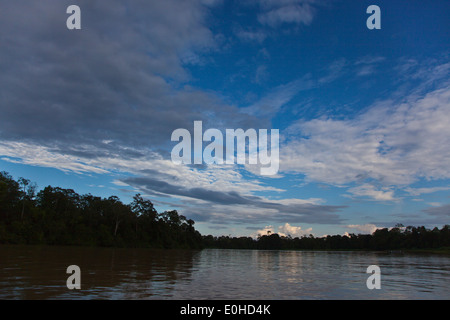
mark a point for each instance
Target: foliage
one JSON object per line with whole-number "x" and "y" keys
{"x": 398, "y": 238}
{"x": 57, "y": 216}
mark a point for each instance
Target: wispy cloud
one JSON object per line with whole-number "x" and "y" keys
{"x": 250, "y": 35}
{"x": 393, "y": 142}
{"x": 278, "y": 97}
{"x": 218, "y": 194}
{"x": 19, "y": 152}
{"x": 420, "y": 191}
{"x": 370, "y": 191}
{"x": 335, "y": 70}
{"x": 440, "y": 211}
{"x": 240, "y": 207}
{"x": 368, "y": 65}
{"x": 276, "y": 13}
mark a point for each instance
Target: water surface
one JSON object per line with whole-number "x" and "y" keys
{"x": 31, "y": 272}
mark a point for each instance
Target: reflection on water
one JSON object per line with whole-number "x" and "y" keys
{"x": 28, "y": 272}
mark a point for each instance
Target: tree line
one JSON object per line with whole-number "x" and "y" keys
{"x": 56, "y": 216}
{"x": 397, "y": 238}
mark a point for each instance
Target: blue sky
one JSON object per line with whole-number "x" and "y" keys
{"x": 363, "y": 115}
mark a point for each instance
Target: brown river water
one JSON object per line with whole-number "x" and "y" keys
{"x": 34, "y": 272}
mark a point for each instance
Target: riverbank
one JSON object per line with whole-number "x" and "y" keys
{"x": 444, "y": 250}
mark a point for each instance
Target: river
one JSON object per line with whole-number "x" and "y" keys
{"x": 35, "y": 272}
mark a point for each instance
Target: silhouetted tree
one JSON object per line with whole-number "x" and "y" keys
{"x": 61, "y": 216}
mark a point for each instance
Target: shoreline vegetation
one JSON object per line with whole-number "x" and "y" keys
{"x": 56, "y": 216}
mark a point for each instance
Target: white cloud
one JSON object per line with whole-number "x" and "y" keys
{"x": 368, "y": 65}
{"x": 34, "y": 155}
{"x": 366, "y": 70}
{"x": 392, "y": 143}
{"x": 261, "y": 74}
{"x": 204, "y": 193}
{"x": 288, "y": 230}
{"x": 419, "y": 191}
{"x": 278, "y": 97}
{"x": 284, "y": 231}
{"x": 120, "y": 183}
{"x": 249, "y": 35}
{"x": 363, "y": 229}
{"x": 435, "y": 204}
{"x": 370, "y": 60}
{"x": 334, "y": 71}
{"x": 267, "y": 230}
{"x": 292, "y": 12}
{"x": 368, "y": 190}
{"x": 294, "y": 201}
{"x": 223, "y": 178}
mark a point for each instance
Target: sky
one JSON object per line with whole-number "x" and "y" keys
{"x": 363, "y": 114}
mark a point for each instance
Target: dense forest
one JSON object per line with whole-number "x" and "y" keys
{"x": 56, "y": 216}
{"x": 397, "y": 238}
